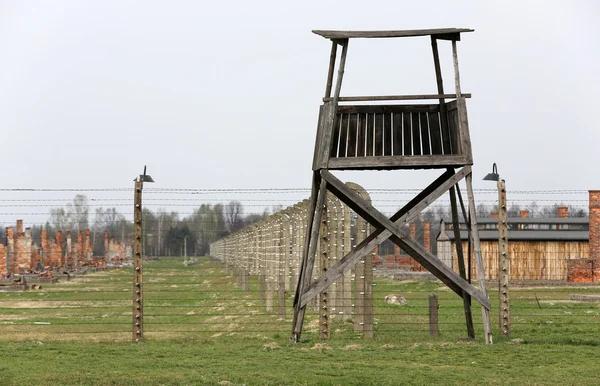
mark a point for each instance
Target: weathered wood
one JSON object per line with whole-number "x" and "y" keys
{"x": 463, "y": 129}
{"x": 387, "y": 109}
{"x": 318, "y": 158}
{"x": 352, "y": 126}
{"x": 387, "y": 134}
{"x": 395, "y": 97}
{"x": 399, "y": 162}
{"x": 283, "y": 257}
{"x": 324, "y": 138}
{"x": 432, "y": 192}
{"x": 452, "y": 132}
{"x": 390, "y": 34}
{"x": 425, "y": 143}
{"x": 407, "y": 135}
{"x": 335, "y": 138}
{"x": 309, "y": 258}
{"x": 434, "y": 329}
{"x": 397, "y": 132}
{"x": 503, "y": 262}
{"x": 362, "y": 135}
{"x": 463, "y": 123}
{"x": 416, "y": 135}
{"x": 461, "y": 263}
{"x": 436, "y": 134}
{"x": 324, "y": 263}
{"x": 487, "y": 325}
{"x": 316, "y": 183}
{"x": 332, "y": 57}
{"x": 378, "y": 135}
{"x": 343, "y": 145}
{"x": 401, "y": 237}
{"x": 440, "y": 87}
{"x": 370, "y": 120}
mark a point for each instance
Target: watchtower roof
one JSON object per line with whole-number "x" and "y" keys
{"x": 446, "y": 33}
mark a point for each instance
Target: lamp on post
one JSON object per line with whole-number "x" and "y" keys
{"x": 138, "y": 253}
{"x": 503, "y": 261}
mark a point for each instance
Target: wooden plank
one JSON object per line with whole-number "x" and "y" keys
{"x": 362, "y": 135}
{"x": 464, "y": 141}
{"x": 318, "y": 141}
{"x": 415, "y": 206}
{"x": 324, "y": 136}
{"x": 463, "y": 130}
{"x": 331, "y": 69}
{"x": 402, "y": 238}
{"x": 397, "y": 133}
{"x": 331, "y": 115}
{"x": 378, "y": 135}
{"x": 324, "y": 264}
{"x": 461, "y": 262}
{"x": 331, "y": 34}
{"x": 436, "y": 133}
{"x": 452, "y": 105}
{"x": 440, "y": 87}
{"x": 316, "y": 183}
{"x": 485, "y": 311}
{"x": 453, "y": 131}
{"x": 385, "y": 109}
{"x": 387, "y": 134}
{"x": 398, "y": 162}
{"x": 367, "y": 98}
{"x": 352, "y": 127}
{"x": 308, "y": 259}
{"x": 407, "y": 134}
{"x": 370, "y": 120}
{"x": 416, "y": 134}
{"x": 425, "y": 143}
{"x": 335, "y": 139}
{"x": 342, "y": 147}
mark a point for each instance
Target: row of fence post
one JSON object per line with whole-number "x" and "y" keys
{"x": 272, "y": 251}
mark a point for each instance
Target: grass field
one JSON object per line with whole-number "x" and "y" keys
{"x": 202, "y": 329}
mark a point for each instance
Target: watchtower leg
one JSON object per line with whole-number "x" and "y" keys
{"x": 461, "y": 262}
{"x": 487, "y": 325}
{"x": 317, "y": 199}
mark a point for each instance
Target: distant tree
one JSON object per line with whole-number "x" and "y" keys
{"x": 234, "y": 213}
{"x": 78, "y": 212}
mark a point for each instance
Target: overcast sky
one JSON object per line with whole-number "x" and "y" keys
{"x": 225, "y": 94}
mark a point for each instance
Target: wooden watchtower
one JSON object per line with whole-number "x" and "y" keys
{"x": 355, "y": 135}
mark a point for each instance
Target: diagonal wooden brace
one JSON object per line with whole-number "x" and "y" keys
{"x": 435, "y": 190}
{"x": 402, "y": 239}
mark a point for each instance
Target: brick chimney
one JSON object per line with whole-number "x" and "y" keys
{"x": 524, "y": 213}
{"x": 427, "y": 235}
{"x": 594, "y": 224}
{"x": 412, "y": 230}
{"x": 19, "y": 227}
{"x": 563, "y": 212}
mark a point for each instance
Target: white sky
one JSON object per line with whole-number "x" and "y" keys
{"x": 225, "y": 94}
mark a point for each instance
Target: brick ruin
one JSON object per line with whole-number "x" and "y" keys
{"x": 400, "y": 259}
{"x": 20, "y": 254}
{"x": 588, "y": 270}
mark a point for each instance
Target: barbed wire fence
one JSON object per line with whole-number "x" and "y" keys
{"x": 248, "y": 286}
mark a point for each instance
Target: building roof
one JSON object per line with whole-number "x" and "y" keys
{"x": 537, "y": 220}
{"x": 530, "y": 235}
{"x": 515, "y": 233}
{"x": 390, "y": 34}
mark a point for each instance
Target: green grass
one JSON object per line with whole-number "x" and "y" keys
{"x": 250, "y": 362}
{"x": 201, "y": 328}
